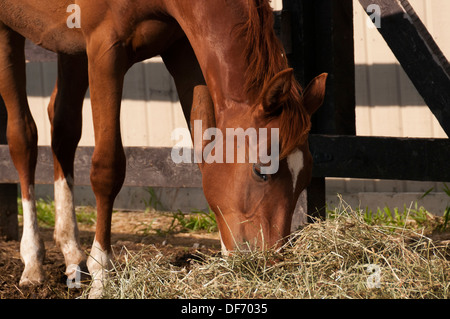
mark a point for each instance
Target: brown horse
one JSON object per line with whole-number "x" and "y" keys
{"x": 230, "y": 46}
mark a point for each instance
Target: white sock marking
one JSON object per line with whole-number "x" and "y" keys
{"x": 295, "y": 164}
{"x": 66, "y": 229}
{"x": 31, "y": 246}
{"x": 98, "y": 263}
{"x": 30, "y": 237}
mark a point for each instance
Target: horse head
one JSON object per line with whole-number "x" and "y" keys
{"x": 254, "y": 196}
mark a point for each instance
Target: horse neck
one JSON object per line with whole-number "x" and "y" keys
{"x": 213, "y": 35}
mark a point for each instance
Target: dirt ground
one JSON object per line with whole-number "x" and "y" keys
{"x": 128, "y": 230}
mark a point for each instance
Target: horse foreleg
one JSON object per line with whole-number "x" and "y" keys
{"x": 22, "y": 140}
{"x": 65, "y": 116}
{"x": 107, "y": 67}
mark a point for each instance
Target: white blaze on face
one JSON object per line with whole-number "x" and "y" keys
{"x": 295, "y": 164}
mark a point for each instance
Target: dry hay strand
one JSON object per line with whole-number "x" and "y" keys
{"x": 326, "y": 259}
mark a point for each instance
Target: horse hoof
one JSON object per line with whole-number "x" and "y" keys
{"x": 96, "y": 292}
{"x": 32, "y": 276}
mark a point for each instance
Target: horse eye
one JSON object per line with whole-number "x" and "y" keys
{"x": 257, "y": 172}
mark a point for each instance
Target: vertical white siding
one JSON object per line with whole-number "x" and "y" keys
{"x": 387, "y": 102}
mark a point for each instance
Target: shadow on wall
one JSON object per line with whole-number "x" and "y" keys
{"x": 385, "y": 85}
{"x": 148, "y": 81}
{"x": 377, "y": 84}
{"x": 145, "y": 81}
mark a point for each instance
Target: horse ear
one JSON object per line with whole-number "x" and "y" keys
{"x": 277, "y": 91}
{"x": 314, "y": 93}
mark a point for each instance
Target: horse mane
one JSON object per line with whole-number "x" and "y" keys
{"x": 266, "y": 57}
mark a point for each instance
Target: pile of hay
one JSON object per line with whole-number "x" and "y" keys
{"x": 343, "y": 257}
